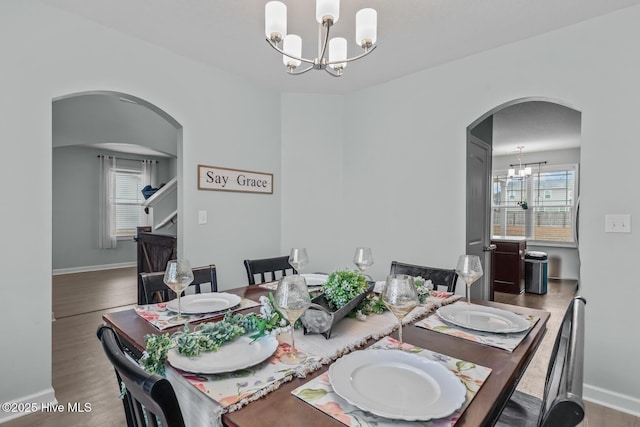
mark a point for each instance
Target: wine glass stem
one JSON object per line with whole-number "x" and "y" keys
{"x": 400, "y": 335}
{"x": 468, "y": 293}
{"x": 179, "y": 306}
{"x": 293, "y": 341}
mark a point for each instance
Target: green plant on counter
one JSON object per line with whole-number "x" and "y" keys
{"x": 342, "y": 286}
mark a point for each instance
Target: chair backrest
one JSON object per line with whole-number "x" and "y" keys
{"x": 267, "y": 268}
{"x": 149, "y": 399}
{"x": 156, "y": 291}
{"x": 438, "y": 276}
{"x": 562, "y": 403}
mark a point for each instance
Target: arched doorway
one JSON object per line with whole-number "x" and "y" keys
{"x": 483, "y": 138}
{"x": 102, "y": 122}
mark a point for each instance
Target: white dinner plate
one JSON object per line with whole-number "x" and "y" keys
{"x": 239, "y": 354}
{"x": 208, "y": 302}
{"x": 483, "y": 318}
{"x": 314, "y": 280}
{"x": 396, "y": 384}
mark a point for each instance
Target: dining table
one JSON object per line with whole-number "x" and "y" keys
{"x": 280, "y": 407}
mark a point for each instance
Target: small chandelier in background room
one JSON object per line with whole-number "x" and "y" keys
{"x": 522, "y": 172}
{"x": 327, "y": 14}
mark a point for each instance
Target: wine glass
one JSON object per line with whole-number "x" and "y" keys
{"x": 178, "y": 276}
{"x": 298, "y": 258}
{"x": 400, "y": 296}
{"x": 292, "y": 299}
{"x": 470, "y": 270}
{"x": 363, "y": 259}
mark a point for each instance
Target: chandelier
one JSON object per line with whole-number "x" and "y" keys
{"x": 522, "y": 172}
{"x": 327, "y": 13}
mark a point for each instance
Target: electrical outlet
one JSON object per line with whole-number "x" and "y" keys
{"x": 617, "y": 223}
{"x": 202, "y": 217}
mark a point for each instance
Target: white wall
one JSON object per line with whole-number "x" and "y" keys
{"x": 313, "y": 207}
{"x": 47, "y": 54}
{"x": 404, "y": 156}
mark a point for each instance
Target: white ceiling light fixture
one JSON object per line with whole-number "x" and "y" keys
{"x": 522, "y": 172}
{"x": 327, "y": 14}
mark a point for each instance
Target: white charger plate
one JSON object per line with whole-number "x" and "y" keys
{"x": 396, "y": 384}
{"x": 315, "y": 279}
{"x": 483, "y": 318}
{"x": 239, "y": 354}
{"x": 208, "y": 302}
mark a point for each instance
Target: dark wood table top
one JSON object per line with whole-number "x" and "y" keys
{"x": 281, "y": 408}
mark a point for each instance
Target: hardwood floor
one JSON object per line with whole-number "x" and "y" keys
{"x": 81, "y": 372}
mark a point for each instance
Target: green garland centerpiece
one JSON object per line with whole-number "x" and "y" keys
{"x": 211, "y": 336}
{"x": 344, "y": 285}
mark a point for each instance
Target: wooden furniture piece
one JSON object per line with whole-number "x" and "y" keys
{"x": 149, "y": 399}
{"x": 281, "y": 408}
{"x": 267, "y": 268}
{"x": 562, "y": 403}
{"x": 156, "y": 291}
{"x": 438, "y": 276}
{"x": 508, "y": 264}
{"x": 154, "y": 251}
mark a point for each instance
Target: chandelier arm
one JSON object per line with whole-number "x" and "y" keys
{"x": 362, "y": 55}
{"x": 331, "y": 73}
{"x": 301, "y": 72}
{"x": 322, "y": 51}
{"x": 308, "y": 61}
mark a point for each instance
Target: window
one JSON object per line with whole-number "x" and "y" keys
{"x": 550, "y": 196}
{"x": 127, "y": 197}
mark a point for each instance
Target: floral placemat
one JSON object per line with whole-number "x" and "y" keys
{"x": 233, "y": 390}
{"x": 162, "y": 318}
{"x": 319, "y": 393}
{"x": 506, "y": 342}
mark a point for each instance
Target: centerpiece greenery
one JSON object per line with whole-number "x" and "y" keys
{"x": 342, "y": 286}
{"x": 211, "y": 336}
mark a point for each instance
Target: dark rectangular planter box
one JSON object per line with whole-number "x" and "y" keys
{"x": 320, "y": 318}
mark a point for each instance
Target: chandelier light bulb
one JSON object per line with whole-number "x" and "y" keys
{"x": 275, "y": 21}
{"x": 366, "y": 27}
{"x": 327, "y": 10}
{"x": 293, "y": 46}
{"x": 338, "y": 52}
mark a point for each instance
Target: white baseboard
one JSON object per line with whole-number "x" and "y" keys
{"x": 611, "y": 399}
{"x": 42, "y": 397}
{"x": 92, "y": 268}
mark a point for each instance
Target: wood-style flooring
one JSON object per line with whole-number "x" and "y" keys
{"x": 81, "y": 372}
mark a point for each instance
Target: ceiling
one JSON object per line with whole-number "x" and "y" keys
{"x": 412, "y": 35}
{"x": 536, "y": 126}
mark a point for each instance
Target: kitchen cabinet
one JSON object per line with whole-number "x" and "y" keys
{"x": 508, "y": 264}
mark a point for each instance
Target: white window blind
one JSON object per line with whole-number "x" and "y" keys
{"x": 550, "y": 195}
{"x": 127, "y": 198}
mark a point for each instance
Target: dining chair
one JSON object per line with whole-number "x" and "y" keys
{"x": 562, "y": 404}
{"x": 155, "y": 289}
{"x": 149, "y": 399}
{"x": 267, "y": 268}
{"x": 438, "y": 276}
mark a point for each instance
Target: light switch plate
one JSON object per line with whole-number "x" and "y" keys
{"x": 617, "y": 223}
{"x": 202, "y": 217}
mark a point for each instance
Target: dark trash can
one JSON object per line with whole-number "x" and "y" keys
{"x": 535, "y": 272}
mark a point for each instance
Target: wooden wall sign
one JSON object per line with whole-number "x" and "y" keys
{"x": 223, "y": 179}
